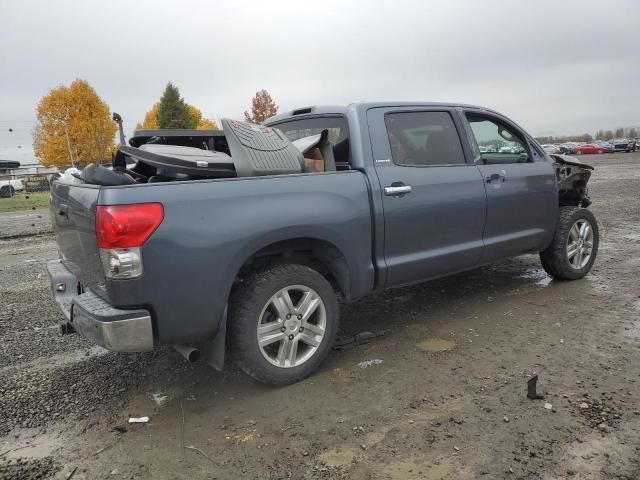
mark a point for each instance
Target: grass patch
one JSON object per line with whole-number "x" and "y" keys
{"x": 24, "y": 202}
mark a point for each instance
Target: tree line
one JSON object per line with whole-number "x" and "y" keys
{"x": 74, "y": 125}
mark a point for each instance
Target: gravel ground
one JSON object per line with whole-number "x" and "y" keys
{"x": 25, "y": 223}
{"x": 447, "y": 401}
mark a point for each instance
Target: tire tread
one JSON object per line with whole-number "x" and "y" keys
{"x": 243, "y": 311}
{"x": 553, "y": 258}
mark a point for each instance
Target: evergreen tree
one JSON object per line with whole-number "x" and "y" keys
{"x": 151, "y": 119}
{"x": 173, "y": 111}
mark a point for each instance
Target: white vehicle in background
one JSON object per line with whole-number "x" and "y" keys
{"x": 510, "y": 148}
{"x": 9, "y": 186}
{"x": 551, "y": 148}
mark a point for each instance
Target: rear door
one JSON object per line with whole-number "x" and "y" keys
{"x": 522, "y": 199}
{"x": 433, "y": 200}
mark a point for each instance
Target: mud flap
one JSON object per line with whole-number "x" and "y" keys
{"x": 214, "y": 350}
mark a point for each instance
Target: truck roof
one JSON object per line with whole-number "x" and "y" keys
{"x": 341, "y": 109}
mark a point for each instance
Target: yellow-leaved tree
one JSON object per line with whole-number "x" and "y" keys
{"x": 74, "y": 127}
{"x": 151, "y": 119}
{"x": 262, "y": 107}
{"x": 201, "y": 122}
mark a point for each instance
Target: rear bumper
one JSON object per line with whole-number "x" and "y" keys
{"x": 95, "y": 319}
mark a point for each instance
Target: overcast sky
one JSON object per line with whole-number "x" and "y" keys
{"x": 562, "y": 67}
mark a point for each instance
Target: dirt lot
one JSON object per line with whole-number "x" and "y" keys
{"x": 447, "y": 401}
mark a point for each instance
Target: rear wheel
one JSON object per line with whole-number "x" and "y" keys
{"x": 7, "y": 191}
{"x": 575, "y": 245}
{"x": 283, "y": 321}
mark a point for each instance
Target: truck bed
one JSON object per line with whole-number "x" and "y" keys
{"x": 210, "y": 228}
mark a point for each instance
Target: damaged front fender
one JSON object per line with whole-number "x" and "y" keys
{"x": 572, "y": 176}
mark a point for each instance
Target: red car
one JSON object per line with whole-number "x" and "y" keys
{"x": 590, "y": 148}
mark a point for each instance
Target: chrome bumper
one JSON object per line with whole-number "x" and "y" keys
{"x": 95, "y": 319}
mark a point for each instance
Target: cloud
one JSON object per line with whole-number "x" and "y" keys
{"x": 563, "y": 67}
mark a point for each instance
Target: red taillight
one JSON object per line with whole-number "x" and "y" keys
{"x": 125, "y": 226}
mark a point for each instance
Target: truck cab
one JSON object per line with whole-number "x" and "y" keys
{"x": 431, "y": 176}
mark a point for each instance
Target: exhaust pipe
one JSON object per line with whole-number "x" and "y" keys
{"x": 189, "y": 352}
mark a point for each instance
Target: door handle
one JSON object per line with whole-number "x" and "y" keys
{"x": 395, "y": 190}
{"x": 496, "y": 177}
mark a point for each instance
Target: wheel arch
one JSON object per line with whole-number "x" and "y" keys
{"x": 318, "y": 253}
{"x": 315, "y": 251}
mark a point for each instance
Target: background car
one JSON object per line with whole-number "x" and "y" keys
{"x": 590, "y": 148}
{"x": 605, "y": 143}
{"x": 9, "y": 186}
{"x": 551, "y": 148}
{"x": 621, "y": 145}
{"x": 568, "y": 147}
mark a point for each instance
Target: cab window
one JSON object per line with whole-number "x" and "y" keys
{"x": 423, "y": 139}
{"x": 497, "y": 142}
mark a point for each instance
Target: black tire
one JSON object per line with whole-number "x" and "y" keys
{"x": 7, "y": 191}
{"x": 555, "y": 259}
{"x": 253, "y": 295}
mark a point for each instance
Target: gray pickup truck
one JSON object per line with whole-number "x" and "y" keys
{"x": 245, "y": 240}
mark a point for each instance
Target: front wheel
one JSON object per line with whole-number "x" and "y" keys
{"x": 574, "y": 246}
{"x": 283, "y": 321}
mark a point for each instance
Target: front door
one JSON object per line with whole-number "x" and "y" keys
{"x": 522, "y": 200}
{"x": 434, "y": 202}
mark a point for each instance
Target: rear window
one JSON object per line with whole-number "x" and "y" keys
{"x": 305, "y": 127}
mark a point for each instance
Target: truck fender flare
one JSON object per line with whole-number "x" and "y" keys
{"x": 327, "y": 250}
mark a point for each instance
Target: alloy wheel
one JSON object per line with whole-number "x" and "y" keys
{"x": 580, "y": 244}
{"x": 291, "y": 326}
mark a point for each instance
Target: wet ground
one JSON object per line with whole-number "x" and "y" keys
{"x": 447, "y": 401}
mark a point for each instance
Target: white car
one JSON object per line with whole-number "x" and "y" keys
{"x": 551, "y": 148}
{"x": 9, "y": 186}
